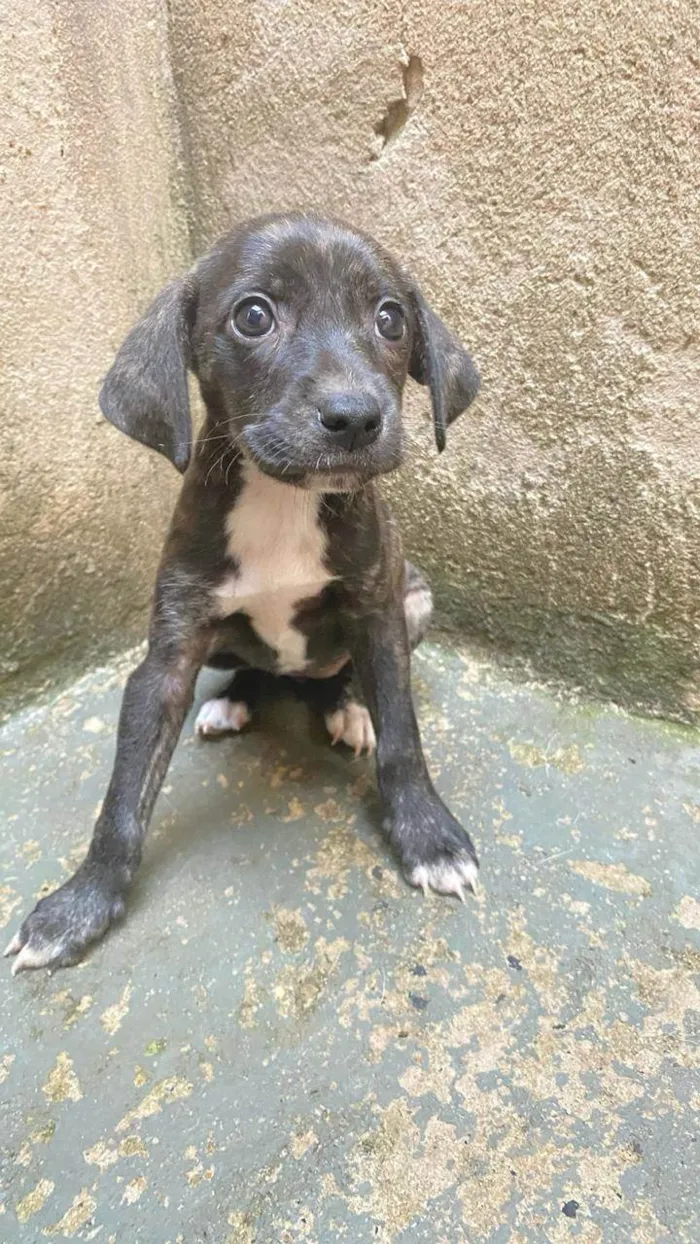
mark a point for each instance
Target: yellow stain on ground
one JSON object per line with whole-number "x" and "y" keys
{"x": 62, "y": 1084}
{"x": 33, "y": 1201}
{"x": 687, "y": 912}
{"x": 613, "y": 876}
{"x": 80, "y": 1211}
{"x": 111, "y": 1019}
{"x": 173, "y": 1088}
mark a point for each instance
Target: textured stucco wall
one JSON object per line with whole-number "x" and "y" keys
{"x": 535, "y": 164}
{"x": 91, "y": 225}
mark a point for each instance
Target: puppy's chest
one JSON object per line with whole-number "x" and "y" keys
{"x": 278, "y": 545}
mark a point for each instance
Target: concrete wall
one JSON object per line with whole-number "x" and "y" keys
{"x": 92, "y": 224}
{"x": 535, "y": 164}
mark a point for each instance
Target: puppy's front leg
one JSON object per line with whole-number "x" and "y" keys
{"x": 156, "y": 699}
{"x": 433, "y": 848}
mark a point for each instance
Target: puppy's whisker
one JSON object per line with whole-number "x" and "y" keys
{"x": 213, "y": 467}
{"x": 204, "y": 440}
{"x": 234, "y": 458}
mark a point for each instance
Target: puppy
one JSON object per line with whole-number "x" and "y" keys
{"x": 281, "y": 558}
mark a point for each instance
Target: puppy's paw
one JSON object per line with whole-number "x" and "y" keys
{"x": 446, "y": 875}
{"x": 221, "y": 716}
{"x": 62, "y": 925}
{"x": 352, "y": 724}
{"x": 436, "y": 852}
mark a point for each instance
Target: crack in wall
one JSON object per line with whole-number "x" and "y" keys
{"x": 398, "y": 111}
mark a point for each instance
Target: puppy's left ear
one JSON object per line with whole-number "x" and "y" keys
{"x": 440, "y": 361}
{"x": 145, "y": 391}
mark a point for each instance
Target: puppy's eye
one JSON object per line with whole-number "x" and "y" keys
{"x": 253, "y": 317}
{"x": 390, "y": 321}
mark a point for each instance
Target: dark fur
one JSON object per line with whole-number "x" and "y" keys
{"x": 262, "y": 400}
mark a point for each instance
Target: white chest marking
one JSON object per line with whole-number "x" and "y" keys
{"x": 275, "y": 537}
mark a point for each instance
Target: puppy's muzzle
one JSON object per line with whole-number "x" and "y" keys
{"x": 350, "y": 420}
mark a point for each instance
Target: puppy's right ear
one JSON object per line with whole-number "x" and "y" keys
{"x": 145, "y": 391}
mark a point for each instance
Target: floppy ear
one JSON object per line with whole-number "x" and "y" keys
{"x": 440, "y": 361}
{"x": 145, "y": 391}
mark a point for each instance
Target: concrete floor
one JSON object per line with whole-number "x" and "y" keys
{"x": 285, "y": 1043}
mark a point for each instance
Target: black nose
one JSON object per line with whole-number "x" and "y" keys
{"x": 354, "y": 419}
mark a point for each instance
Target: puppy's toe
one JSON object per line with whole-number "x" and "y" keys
{"x": 352, "y": 724}
{"x": 29, "y": 957}
{"x": 222, "y": 716}
{"x": 446, "y": 875}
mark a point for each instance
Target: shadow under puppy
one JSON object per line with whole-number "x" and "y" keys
{"x": 281, "y": 557}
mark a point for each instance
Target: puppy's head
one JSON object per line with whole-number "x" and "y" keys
{"x": 301, "y": 332}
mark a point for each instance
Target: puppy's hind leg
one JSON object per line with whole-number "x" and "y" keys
{"x": 232, "y": 708}
{"x": 345, "y": 716}
{"x": 338, "y": 698}
{"x": 417, "y": 604}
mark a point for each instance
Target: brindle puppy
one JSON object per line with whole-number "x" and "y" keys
{"x": 281, "y": 556}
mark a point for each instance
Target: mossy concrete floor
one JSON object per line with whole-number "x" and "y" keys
{"x": 285, "y": 1043}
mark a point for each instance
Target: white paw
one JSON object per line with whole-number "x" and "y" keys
{"x": 221, "y": 716}
{"x": 352, "y": 725}
{"x": 446, "y": 876}
{"x": 29, "y": 956}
